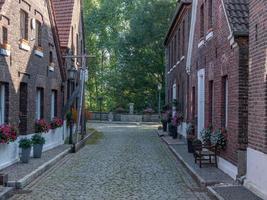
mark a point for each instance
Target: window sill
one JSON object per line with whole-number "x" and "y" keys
{"x": 24, "y": 45}
{"x": 201, "y": 43}
{"x": 38, "y": 51}
{"x": 182, "y": 58}
{"x": 209, "y": 35}
{"x": 5, "y": 49}
{"x": 51, "y": 67}
{"x": 5, "y": 52}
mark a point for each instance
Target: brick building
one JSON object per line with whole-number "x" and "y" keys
{"x": 218, "y": 68}
{"x": 31, "y": 69}
{"x": 176, "y": 44}
{"x": 256, "y": 177}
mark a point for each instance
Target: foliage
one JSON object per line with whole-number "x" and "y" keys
{"x": 56, "y": 123}
{"x": 218, "y": 137}
{"x": 127, "y": 39}
{"x": 25, "y": 143}
{"x": 41, "y": 126}
{"x": 38, "y": 139}
{"x": 206, "y": 135}
{"x": 7, "y": 134}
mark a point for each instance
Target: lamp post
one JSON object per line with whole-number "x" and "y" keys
{"x": 159, "y": 89}
{"x": 71, "y": 77}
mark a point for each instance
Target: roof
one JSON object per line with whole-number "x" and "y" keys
{"x": 180, "y": 4}
{"x": 238, "y": 14}
{"x": 63, "y": 11}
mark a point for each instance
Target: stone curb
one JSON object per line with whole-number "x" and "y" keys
{"x": 213, "y": 193}
{"x": 37, "y": 172}
{"x": 127, "y": 123}
{"x": 6, "y": 193}
{"x": 82, "y": 143}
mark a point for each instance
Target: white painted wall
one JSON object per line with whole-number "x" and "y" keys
{"x": 256, "y": 178}
{"x": 201, "y": 102}
{"x": 227, "y": 167}
{"x": 9, "y": 153}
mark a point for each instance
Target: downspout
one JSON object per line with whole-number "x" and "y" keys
{"x": 191, "y": 36}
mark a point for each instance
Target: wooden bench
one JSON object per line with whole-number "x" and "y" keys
{"x": 205, "y": 154}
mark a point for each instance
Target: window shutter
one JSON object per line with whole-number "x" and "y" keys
{"x": 22, "y": 25}
{"x": 26, "y": 25}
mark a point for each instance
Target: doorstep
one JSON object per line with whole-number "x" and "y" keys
{"x": 230, "y": 192}
{"x": 219, "y": 185}
{"x": 20, "y": 174}
{"x": 5, "y": 192}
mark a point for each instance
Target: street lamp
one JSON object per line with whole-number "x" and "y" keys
{"x": 159, "y": 89}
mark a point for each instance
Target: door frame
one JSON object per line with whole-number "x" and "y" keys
{"x": 200, "y": 101}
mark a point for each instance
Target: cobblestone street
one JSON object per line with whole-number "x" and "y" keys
{"x": 130, "y": 162}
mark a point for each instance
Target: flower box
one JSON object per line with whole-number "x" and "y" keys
{"x": 24, "y": 45}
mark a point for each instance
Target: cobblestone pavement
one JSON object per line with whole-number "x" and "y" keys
{"x": 129, "y": 163}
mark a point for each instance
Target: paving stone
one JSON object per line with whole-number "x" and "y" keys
{"x": 130, "y": 162}
{"x": 19, "y": 170}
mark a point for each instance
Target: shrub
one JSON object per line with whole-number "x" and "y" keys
{"x": 7, "y": 134}
{"x": 219, "y": 138}
{"x": 41, "y": 126}
{"x": 206, "y": 134}
{"x": 56, "y": 123}
{"x": 37, "y": 139}
{"x": 25, "y": 143}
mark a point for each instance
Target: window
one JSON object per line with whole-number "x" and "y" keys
{"x": 256, "y": 32}
{"x": 224, "y": 102}
{"x": 51, "y": 59}
{"x": 40, "y": 103}
{"x": 211, "y": 102}
{"x": 202, "y": 21}
{"x": 210, "y": 14}
{"x": 179, "y": 43}
{"x": 5, "y": 35}
{"x": 183, "y": 38}
{"x": 24, "y": 25}
{"x": 53, "y": 104}
{"x": 175, "y": 48}
{"x": 38, "y": 34}
{"x": 169, "y": 56}
{"x": 2, "y": 104}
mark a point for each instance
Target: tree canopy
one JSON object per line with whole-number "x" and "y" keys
{"x": 126, "y": 37}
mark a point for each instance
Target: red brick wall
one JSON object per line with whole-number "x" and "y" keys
{"x": 219, "y": 59}
{"x": 27, "y": 62}
{"x": 257, "y": 119}
{"x": 178, "y": 75}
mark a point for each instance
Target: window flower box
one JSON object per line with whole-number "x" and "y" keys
{"x": 51, "y": 67}
{"x": 209, "y": 34}
{"x": 201, "y": 42}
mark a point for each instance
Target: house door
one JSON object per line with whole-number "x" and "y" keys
{"x": 23, "y": 108}
{"x": 201, "y": 102}
{"x": 174, "y": 98}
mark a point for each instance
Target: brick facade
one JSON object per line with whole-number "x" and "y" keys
{"x": 176, "y": 44}
{"x": 24, "y": 69}
{"x": 257, "y": 81}
{"x": 25, "y": 66}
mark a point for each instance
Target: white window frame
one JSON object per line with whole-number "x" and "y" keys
{"x": 2, "y": 104}
{"x": 38, "y": 104}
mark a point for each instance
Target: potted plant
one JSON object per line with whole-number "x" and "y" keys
{"x": 25, "y": 144}
{"x": 38, "y": 142}
{"x": 206, "y": 134}
{"x": 190, "y": 136}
